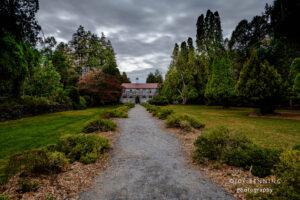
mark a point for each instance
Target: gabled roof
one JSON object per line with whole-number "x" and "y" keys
{"x": 140, "y": 85}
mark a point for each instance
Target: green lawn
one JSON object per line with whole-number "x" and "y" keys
{"x": 39, "y": 131}
{"x": 268, "y": 132}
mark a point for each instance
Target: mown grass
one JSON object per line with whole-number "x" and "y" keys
{"x": 282, "y": 133}
{"x": 39, "y": 131}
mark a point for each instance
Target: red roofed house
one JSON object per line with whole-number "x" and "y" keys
{"x": 138, "y": 92}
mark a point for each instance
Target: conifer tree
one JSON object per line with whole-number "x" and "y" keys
{"x": 220, "y": 87}
{"x": 260, "y": 83}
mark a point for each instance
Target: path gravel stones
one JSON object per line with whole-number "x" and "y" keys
{"x": 148, "y": 164}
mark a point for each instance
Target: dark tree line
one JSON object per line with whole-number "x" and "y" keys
{"x": 53, "y": 70}
{"x": 257, "y": 66}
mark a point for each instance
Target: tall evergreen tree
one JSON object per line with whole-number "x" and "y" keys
{"x": 220, "y": 86}
{"x": 124, "y": 78}
{"x": 260, "y": 83}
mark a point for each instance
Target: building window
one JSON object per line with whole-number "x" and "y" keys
{"x": 150, "y": 96}
{"x": 150, "y": 91}
{"x": 130, "y": 97}
{"x": 124, "y": 96}
{"x": 144, "y": 97}
{"x": 130, "y": 90}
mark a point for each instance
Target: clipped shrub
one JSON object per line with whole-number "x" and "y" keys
{"x": 4, "y": 197}
{"x": 103, "y": 125}
{"x": 185, "y": 125}
{"x": 263, "y": 160}
{"x": 288, "y": 171}
{"x": 120, "y": 112}
{"x": 236, "y": 150}
{"x": 57, "y": 161}
{"x": 211, "y": 145}
{"x": 163, "y": 113}
{"x": 28, "y": 186}
{"x": 175, "y": 119}
{"x": 79, "y": 147}
{"x": 159, "y": 100}
{"x": 129, "y": 105}
{"x": 29, "y": 162}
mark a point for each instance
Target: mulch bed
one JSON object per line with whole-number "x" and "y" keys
{"x": 65, "y": 185}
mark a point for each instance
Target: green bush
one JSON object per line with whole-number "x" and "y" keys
{"x": 57, "y": 161}
{"x": 263, "y": 160}
{"x": 129, "y": 105}
{"x": 79, "y": 106}
{"x": 288, "y": 171}
{"x": 159, "y": 100}
{"x": 236, "y": 150}
{"x": 28, "y": 186}
{"x": 88, "y": 100}
{"x": 175, "y": 119}
{"x": 35, "y": 101}
{"x": 33, "y": 161}
{"x": 74, "y": 94}
{"x": 120, "y": 112}
{"x": 185, "y": 125}
{"x": 163, "y": 113}
{"x": 211, "y": 145}
{"x": 4, "y": 197}
{"x": 103, "y": 125}
{"x": 296, "y": 147}
{"x": 83, "y": 148}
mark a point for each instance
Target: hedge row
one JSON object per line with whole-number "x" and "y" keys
{"x": 182, "y": 121}
{"x": 104, "y": 124}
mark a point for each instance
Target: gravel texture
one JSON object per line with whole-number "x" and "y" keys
{"x": 148, "y": 164}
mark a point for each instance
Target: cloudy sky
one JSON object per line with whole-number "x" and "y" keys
{"x": 143, "y": 32}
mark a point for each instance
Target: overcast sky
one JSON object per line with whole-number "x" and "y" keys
{"x": 142, "y": 32}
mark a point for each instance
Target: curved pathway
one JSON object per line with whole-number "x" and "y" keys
{"x": 148, "y": 164}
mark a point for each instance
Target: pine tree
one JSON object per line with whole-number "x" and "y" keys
{"x": 260, "y": 83}
{"x": 220, "y": 87}
{"x": 124, "y": 78}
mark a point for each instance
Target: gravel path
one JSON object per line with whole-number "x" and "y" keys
{"x": 148, "y": 164}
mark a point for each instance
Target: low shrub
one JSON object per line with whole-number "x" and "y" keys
{"x": 120, "y": 112}
{"x": 129, "y": 105}
{"x": 174, "y": 120}
{"x": 4, "y": 197}
{"x": 288, "y": 171}
{"x": 37, "y": 162}
{"x": 35, "y": 101}
{"x": 83, "y": 148}
{"x": 29, "y": 162}
{"x": 185, "y": 125}
{"x": 28, "y": 186}
{"x": 159, "y": 100}
{"x": 296, "y": 147}
{"x": 236, "y": 150}
{"x": 57, "y": 161}
{"x": 88, "y": 100}
{"x": 81, "y": 105}
{"x": 163, "y": 113}
{"x": 103, "y": 125}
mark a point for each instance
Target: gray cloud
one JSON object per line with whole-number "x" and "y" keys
{"x": 142, "y": 32}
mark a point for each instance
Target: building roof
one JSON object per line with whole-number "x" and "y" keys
{"x": 140, "y": 85}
